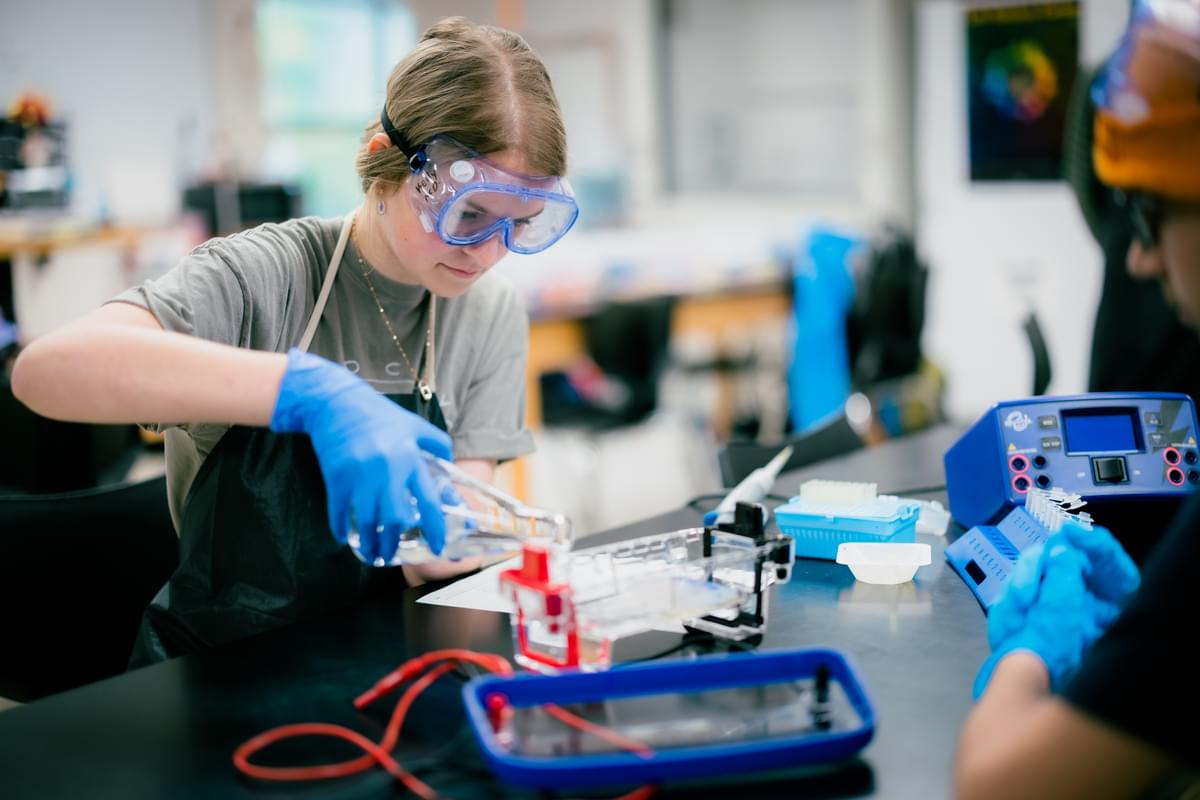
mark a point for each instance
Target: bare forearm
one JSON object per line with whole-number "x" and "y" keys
{"x": 1023, "y": 741}
{"x": 989, "y": 747}
{"x": 482, "y": 468}
{"x": 1019, "y": 683}
{"x": 117, "y": 366}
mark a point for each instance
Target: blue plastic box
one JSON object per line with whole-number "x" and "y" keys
{"x": 818, "y": 528}
{"x": 726, "y": 753}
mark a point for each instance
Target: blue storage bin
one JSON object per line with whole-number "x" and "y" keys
{"x": 818, "y": 528}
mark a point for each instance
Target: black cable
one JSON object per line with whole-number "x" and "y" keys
{"x": 697, "y": 503}
{"x": 916, "y": 490}
{"x": 448, "y": 759}
{"x": 690, "y": 639}
{"x": 702, "y": 640}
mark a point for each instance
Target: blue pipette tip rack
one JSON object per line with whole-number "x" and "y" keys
{"x": 818, "y": 528}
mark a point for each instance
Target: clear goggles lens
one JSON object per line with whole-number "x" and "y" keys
{"x": 467, "y": 199}
{"x": 1131, "y": 82}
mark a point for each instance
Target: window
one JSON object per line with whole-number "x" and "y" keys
{"x": 324, "y": 66}
{"x": 762, "y": 97}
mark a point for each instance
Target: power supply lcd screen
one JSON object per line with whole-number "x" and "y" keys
{"x": 1102, "y": 430}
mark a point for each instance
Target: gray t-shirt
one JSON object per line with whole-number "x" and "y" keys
{"x": 257, "y": 289}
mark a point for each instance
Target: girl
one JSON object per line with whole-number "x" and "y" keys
{"x": 265, "y": 356}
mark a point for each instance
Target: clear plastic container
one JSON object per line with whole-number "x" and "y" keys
{"x": 488, "y": 523}
{"x": 883, "y": 562}
{"x": 653, "y": 582}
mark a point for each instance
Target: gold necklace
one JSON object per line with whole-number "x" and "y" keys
{"x": 422, "y": 387}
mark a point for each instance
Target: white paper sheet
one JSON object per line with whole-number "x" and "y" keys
{"x": 482, "y": 592}
{"x": 479, "y": 591}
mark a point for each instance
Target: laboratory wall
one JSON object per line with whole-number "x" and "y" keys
{"x": 997, "y": 250}
{"x": 184, "y": 92}
{"x": 134, "y": 81}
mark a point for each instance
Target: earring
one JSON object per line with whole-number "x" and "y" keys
{"x": 380, "y": 208}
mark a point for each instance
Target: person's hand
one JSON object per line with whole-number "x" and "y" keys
{"x": 1046, "y": 609}
{"x": 1111, "y": 576}
{"x": 369, "y": 451}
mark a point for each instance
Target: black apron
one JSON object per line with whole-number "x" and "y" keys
{"x": 256, "y": 551}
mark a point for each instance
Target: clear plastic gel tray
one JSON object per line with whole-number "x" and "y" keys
{"x": 707, "y": 716}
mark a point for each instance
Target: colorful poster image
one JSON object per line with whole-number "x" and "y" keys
{"x": 1022, "y": 62}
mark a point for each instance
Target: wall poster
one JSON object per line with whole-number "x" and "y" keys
{"x": 1022, "y": 62}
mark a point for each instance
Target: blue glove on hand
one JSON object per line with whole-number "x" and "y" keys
{"x": 1112, "y": 576}
{"x": 1109, "y": 574}
{"x": 1046, "y": 609}
{"x": 369, "y": 450}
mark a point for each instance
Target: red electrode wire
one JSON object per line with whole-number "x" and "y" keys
{"x": 610, "y": 736}
{"x": 438, "y": 663}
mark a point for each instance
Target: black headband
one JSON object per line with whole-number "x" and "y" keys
{"x": 393, "y": 134}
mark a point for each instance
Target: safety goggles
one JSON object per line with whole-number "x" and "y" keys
{"x": 467, "y": 199}
{"x": 1145, "y": 215}
{"x": 1130, "y": 86}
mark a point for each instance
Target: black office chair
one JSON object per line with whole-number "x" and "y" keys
{"x": 737, "y": 459}
{"x": 231, "y": 206}
{"x": 629, "y": 342}
{"x": 41, "y": 455}
{"x": 76, "y": 572}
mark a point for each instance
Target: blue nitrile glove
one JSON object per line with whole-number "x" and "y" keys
{"x": 1112, "y": 576}
{"x": 1046, "y": 609}
{"x": 369, "y": 451}
{"x": 1007, "y": 616}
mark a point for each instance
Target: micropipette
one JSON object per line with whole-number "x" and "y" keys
{"x": 753, "y": 488}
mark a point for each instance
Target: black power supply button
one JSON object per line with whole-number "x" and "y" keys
{"x": 1109, "y": 470}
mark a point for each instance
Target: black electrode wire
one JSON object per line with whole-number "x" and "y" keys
{"x": 915, "y": 490}
{"x": 699, "y": 502}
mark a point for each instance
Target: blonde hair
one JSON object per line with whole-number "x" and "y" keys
{"x": 480, "y": 84}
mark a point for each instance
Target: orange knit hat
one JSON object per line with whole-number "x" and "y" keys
{"x": 1147, "y": 127}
